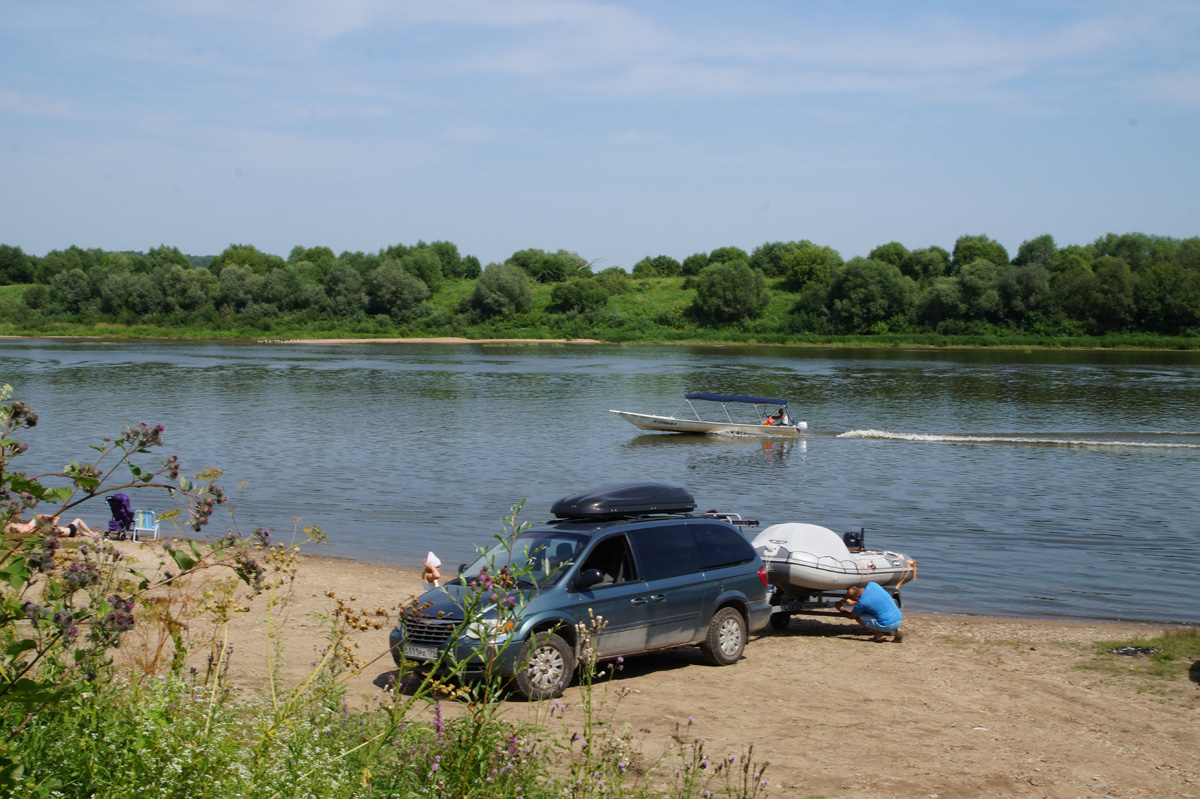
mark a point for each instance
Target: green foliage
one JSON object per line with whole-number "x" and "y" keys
{"x": 502, "y": 290}
{"x": 547, "y": 267}
{"x": 694, "y": 264}
{"x": 866, "y": 295}
{"x": 614, "y": 280}
{"x": 1040, "y": 251}
{"x": 15, "y": 266}
{"x": 579, "y": 296}
{"x": 658, "y": 266}
{"x": 725, "y": 255}
{"x": 395, "y": 291}
{"x": 730, "y": 292}
{"x": 893, "y": 253}
{"x": 969, "y": 249}
{"x": 809, "y": 263}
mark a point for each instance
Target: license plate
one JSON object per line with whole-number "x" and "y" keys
{"x": 420, "y": 652}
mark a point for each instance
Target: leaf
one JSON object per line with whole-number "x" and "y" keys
{"x": 16, "y": 574}
{"x": 30, "y": 692}
{"x": 181, "y": 559}
{"x": 144, "y": 580}
{"x": 17, "y": 647}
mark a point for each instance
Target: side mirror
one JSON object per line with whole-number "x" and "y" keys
{"x": 462, "y": 567}
{"x": 589, "y": 577}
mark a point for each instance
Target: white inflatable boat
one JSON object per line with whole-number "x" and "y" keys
{"x": 803, "y": 559}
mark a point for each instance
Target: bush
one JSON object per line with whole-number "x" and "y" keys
{"x": 580, "y": 296}
{"x": 502, "y": 290}
{"x": 730, "y": 292}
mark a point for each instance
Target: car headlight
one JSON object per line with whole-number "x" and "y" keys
{"x": 491, "y": 630}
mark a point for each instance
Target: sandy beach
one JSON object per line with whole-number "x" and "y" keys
{"x": 966, "y": 706}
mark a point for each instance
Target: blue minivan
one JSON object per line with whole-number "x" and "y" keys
{"x": 622, "y": 570}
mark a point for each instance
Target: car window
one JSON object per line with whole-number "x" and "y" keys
{"x": 612, "y": 557}
{"x": 665, "y": 551}
{"x": 718, "y": 545}
{"x": 538, "y": 557}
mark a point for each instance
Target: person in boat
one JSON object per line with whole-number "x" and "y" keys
{"x": 873, "y": 608}
{"x": 779, "y": 417}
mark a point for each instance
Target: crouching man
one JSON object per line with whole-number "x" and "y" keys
{"x": 873, "y": 608}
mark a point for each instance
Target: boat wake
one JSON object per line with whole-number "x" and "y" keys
{"x": 1143, "y": 440}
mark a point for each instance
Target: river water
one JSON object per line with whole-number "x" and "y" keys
{"x": 1059, "y": 484}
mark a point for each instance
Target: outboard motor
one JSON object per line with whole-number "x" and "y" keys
{"x": 854, "y": 540}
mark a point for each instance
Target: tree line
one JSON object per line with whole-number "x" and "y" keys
{"x": 1127, "y": 283}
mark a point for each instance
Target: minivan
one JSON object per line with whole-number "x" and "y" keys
{"x": 620, "y": 571}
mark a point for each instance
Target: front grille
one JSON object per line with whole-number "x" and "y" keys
{"x": 428, "y": 632}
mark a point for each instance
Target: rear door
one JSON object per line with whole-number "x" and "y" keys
{"x": 666, "y": 557}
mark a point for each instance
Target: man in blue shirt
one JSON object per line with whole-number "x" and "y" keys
{"x": 873, "y": 608}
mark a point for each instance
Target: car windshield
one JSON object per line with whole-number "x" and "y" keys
{"x": 536, "y": 559}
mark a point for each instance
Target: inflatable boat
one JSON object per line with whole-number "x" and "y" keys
{"x": 806, "y": 558}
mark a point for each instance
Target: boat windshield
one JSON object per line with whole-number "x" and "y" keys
{"x": 536, "y": 559}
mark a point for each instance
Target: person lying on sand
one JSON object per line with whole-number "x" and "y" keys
{"x": 44, "y": 521}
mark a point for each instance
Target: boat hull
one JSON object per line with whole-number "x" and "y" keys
{"x": 670, "y": 424}
{"x": 806, "y": 558}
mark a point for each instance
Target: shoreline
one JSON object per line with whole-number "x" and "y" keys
{"x": 855, "y": 344}
{"x": 966, "y": 706}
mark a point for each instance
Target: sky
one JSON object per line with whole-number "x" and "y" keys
{"x": 616, "y": 130}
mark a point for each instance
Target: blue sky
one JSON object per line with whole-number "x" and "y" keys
{"x": 615, "y": 130}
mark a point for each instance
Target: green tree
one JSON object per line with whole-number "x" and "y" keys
{"x": 868, "y": 296}
{"x": 424, "y": 264}
{"x": 1024, "y": 293}
{"x": 470, "y": 267}
{"x": 927, "y": 264}
{"x": 658, "y": 266}
{"x": 502, "y": 290}
{"x": 768, "y": 257}
{"x": 393, "y": 290}
{"x": 582, "y": 295}
{"x": 73, "y": 290}
{"x": 694, "y": 264}
{"x": 979, "y": 290}
{"x": 1168, "y": 299}
{"x": 15, "y": 266}
{"x": 344, "y": 293}
{"x": 893, "y": 253}
{"x": 1041, "y": 251}
{"x": 809, "y": 263}
{"x": 162, "y": 255}
{"x": 1115, "y": 304}
{"x": 969, "y": 249}
{"x": 614, "y": 280}
{"x": 730, "y": 292}
{"x": 725, "y": 255}
{"x": 322, "y": 259}
{"x": 184, "y": 288}
{"x": 238, "y": 287}
{"x": 246, "y": 256}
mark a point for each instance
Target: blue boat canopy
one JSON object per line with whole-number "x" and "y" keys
{"x": 739, "y": 398}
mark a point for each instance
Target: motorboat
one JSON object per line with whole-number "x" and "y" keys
{"x": 693, "y": 420}
{"x": 805, "y": 562}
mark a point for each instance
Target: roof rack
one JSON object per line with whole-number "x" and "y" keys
{"x": 733, "y": 518}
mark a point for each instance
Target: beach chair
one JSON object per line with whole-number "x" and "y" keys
{"x": 145, "y": 521}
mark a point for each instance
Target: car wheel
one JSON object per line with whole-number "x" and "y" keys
{"x": 547, "y": 666}
{"x": 780, "y": 621}
{"x": 726, "y": 638}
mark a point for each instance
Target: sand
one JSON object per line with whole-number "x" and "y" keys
{"x": 966, "y": 706}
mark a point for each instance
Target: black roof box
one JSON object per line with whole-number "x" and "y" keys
{"x": 627, "y": 499}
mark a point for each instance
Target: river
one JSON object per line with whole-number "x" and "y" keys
{"x": 1043, "y": 483}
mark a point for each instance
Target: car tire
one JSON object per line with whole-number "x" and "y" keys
{"x": 726, "y": 638}
{"x": 547, "y": 666}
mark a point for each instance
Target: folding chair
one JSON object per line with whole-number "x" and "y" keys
{"x": 145, "y": 521}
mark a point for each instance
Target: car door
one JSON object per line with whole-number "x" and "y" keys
{"x": 666, "y": 558}
{"x": 617, "y": 605}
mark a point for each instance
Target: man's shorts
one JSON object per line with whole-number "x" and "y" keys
{"x": 877, "y": 627}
